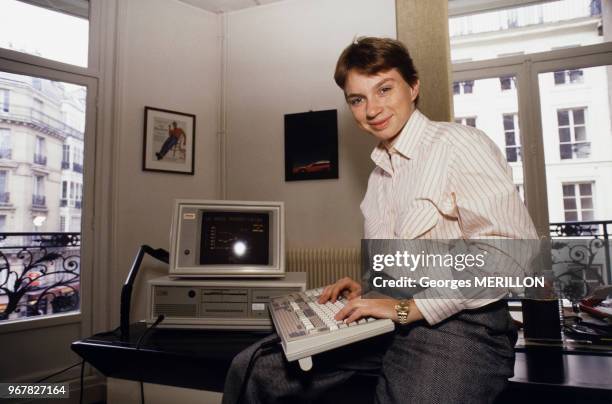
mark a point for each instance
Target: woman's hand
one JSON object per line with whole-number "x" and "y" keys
{"x": 378, "y": 308}
{"x": 331, "y": 292}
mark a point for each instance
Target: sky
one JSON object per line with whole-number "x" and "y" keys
{"x": 50, "y": 34}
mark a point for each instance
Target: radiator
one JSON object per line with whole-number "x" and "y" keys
{"x": 325, "y": 265}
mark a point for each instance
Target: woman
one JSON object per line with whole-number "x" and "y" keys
{"x": 432, "y": 180}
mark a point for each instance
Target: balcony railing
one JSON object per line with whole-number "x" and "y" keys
{"x": 38, "y": 200}
{"x": 40, "y": 121}
{"x": 5, "y": 197}
{"x": 586, "y": 259}
{"x": 65, "y": 165}
{"x": 6, "y": 153}
{"x": 40, "y": 159}
{"x": 76, "y": 167}
{"x": 40, "y": 274}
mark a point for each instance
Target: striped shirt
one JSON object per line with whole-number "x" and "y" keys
{"x": 443, "y": 181}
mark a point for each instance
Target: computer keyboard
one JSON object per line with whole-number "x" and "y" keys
{"x": 307, "y": 328}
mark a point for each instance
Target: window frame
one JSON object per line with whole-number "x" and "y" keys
{"x": 571, "y": 125}
{"x": 100, "y": 54}
{"x": 527, "y": 68}
{"x": 577, "y": 197}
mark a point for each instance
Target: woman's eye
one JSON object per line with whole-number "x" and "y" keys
{"x": 355, "y": 101}
{"x": 385, "y": 90}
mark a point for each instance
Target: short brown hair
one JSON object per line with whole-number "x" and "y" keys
{"x": 370, "y": 55}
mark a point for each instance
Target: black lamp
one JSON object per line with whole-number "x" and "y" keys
{"x": 126, "y": 292}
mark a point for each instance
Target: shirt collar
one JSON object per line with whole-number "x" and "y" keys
{"x": 405, "y": 144}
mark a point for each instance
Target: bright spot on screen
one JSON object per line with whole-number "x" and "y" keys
{"x": 239, "y": 248}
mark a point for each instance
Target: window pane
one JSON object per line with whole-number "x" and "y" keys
{"x": 565, "y": 151}
{"x": 511, "y": 154}
{"x": 468, "y": 86}
{"x": 563, "y": 118}
{"x": 569, "y": 203}
{"x": 586, "y": 203}
{"x": 578, "y": 116}
{"x": 456, "y": 88}
{"x": 568, "y": 190}
{"x": 560, "y": 77}
{"x": 564, "y": 135}
{"x": 576, "y": 23}
{"x": 506, "y": 83}
{"x": 508, "y": 121}
{"x": 35, "y": 192}
{"x": 575, "y": 76}
{"x": 65, "y": 38}
{"x": 510, "y": 139}
{"x": 470, "y": 122}
{"x": 585, "y": 158}
{"x": 585, "y": 189}
{"x": 582, "y": 150}
{"x": 571, "y": 216}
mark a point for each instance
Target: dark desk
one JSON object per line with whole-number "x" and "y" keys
{"x": 200, "y": 359}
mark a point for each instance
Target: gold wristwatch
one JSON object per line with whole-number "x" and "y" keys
{"x": 402, "y": 309}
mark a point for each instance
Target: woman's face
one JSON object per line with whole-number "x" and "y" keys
{"x": 382, "y": 103}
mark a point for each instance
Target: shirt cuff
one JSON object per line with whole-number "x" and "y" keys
{"x": 434, "y": 307}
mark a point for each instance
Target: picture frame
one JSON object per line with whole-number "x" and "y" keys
{"x": 169, "y": 141}
{"x": 311, "y": 145}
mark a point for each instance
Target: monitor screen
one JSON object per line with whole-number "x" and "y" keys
{"x": 227, "y": 239}
{"x": 234, "y": 238}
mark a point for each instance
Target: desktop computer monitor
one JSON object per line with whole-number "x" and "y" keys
{"x": 227, "y": 239}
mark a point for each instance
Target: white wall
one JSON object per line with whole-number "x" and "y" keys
{"x": 281, "y": 60}
{"x": 169, "y": 58}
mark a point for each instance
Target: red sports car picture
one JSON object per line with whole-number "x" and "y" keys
{"x": 317, "y": 166}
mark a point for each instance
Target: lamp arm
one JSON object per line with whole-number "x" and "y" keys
{"x": 126, "y": 291}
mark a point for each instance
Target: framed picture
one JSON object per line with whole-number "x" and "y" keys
{"x": 311, "y": 145}
{"x": 169, "y": 141}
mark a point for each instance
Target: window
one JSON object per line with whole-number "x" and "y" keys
{"x": 463, "y": 87}
{"x": 39, "y": 185}
{"x": 5, "y": 196}
{"x": 469, "y": 121}
{"x": 64, "y": 189}
{"x": 72, "y": 89}
{"x": 568, "y": 76}
{"x": 512, "y": 137}
{"x": 572, "y": 134}
{"x": 67, "y": 39}
{"x": 507, "y": 83}
{"x": 72, "y": 194}
{"x": 4, "y": 99}
{"x": 2, "y": 223}
{"x": 63, "y": 226}
{"x": 5, "y": 143}
{"x": 65, "y": 156}
{"x": 578, "y": 201}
